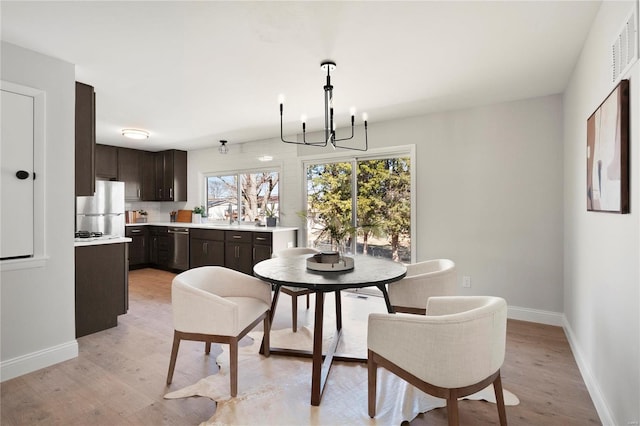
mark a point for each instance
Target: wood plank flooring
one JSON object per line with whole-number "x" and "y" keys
{"x": 119, "y": 375}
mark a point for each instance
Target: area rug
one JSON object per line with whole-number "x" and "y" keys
{"x": 277, "y": 390}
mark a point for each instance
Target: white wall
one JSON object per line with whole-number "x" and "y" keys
{"x": 38, "y": 307}
{"x": 489, "y": 194}
{"x": 602, "y": 253}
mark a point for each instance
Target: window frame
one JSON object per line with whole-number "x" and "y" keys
{"x": 353, "y": 157}
{"x": 237, "y": 173}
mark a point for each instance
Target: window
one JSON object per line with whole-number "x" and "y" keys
{"x": 256, "y": 190}
{"x": 379, "y": 192}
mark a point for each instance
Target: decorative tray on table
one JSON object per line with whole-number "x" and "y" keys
{"x": 329, "y": 261}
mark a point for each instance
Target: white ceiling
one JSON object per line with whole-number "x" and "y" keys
{"x": 195, "y": 72}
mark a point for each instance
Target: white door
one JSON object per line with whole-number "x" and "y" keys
{"x": 16, "y": 175}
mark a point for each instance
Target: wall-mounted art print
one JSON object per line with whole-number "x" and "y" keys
{"x": 608, "y": 153}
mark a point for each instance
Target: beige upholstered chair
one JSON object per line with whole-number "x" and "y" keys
{"x": 424, "y": 279}
{"x": 219, "y": 305}
{"x": 294, "y": 292}
{"x": 456, "y": 350}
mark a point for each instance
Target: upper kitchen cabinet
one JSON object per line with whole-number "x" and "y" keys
{"x": 130, "y": 172}
{"x": 106, "y": 162}
{"x": 171, "y": 175}
{"x": 85, "y": 139}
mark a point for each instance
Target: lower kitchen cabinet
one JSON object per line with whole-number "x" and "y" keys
{"x": 206, "y": 247}
{"x": 101, "y": 286}
{"x": 262, "y": 246}
{"x": 238, "y": 253}
{"x": 138, "y": 251}
{"x": 159, "y": 246}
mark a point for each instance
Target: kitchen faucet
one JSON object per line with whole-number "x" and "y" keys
{"x": 230, "y": 214}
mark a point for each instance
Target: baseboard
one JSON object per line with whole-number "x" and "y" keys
{"x": 592, "y": 385}
{"x": 36, "y": 360}
{"x": 535, "y": 315}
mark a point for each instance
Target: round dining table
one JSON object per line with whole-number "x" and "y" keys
{"x": 367, "y": 271}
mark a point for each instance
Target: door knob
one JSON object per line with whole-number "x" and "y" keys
{"x": 22, "y": 175}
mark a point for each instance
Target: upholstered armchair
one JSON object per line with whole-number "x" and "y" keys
{"x": 436, "y": 277}
{"x": 456, "y": 350}
{"x": 294, "y": 292}
{"x": 219, "y": 305}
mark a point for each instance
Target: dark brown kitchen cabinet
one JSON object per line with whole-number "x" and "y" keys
{"x": 148, "y": 176}
{"x": 164, "y": 176}
{"x": 101, "y": 286}
{"x": 262, "y": 246}
{"x": 159, "y": 252}
{"x": 171, "y": 175}
{"x": 130, "y": 172}
{"x": 106, "y": 162}
{"x": 85, "y": 140}
{"x": 238, "y": 253}
{"x": 138, "y": 247}
{"x": 206, "y": 247}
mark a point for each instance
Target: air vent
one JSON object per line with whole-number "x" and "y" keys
{"x": 624, "y": 49}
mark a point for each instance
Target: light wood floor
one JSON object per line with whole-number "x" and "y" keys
{"x": 119, "y": 375}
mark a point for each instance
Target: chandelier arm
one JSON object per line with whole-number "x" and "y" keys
{"x": 281, "y": 132}
{"x": 366, "y": 142}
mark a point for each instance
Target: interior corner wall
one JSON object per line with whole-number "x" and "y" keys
{"x": 38, "y": 304}
{"x": 602, "y": 250}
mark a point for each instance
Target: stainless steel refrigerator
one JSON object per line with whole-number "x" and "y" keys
{"x": 104, "y": 211}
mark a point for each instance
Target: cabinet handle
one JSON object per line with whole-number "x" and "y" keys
{"x": 205, "y": 248}
{"x": 254, "y": 253}
{"x": 160, "y": 193}
{"x": 135, "y": 231}
{"x": 237, "y": 237}
{"x": 237, "y": 252}
{"x": 138, "y": 192}
{"x": 171, "y": 193}
{"x": 261, "y": 239}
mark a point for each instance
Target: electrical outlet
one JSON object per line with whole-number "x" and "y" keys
{"x": 466, "y": 282}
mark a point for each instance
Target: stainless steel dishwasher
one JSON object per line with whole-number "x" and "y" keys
{"x": 179, "y": 248}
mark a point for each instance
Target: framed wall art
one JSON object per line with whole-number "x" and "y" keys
{"x": 608, "y": 153}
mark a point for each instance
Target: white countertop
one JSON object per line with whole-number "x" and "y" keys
{"x": 95, "y": 241}
{"x": 248, "y": 227}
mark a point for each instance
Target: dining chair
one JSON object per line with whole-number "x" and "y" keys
{"x": 213, "y": 304}
{"x": 437, "y": 277}
{"x": 294, "y": 292}
{"x": 455, "y": 350}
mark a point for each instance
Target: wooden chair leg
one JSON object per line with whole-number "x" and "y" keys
{"x": 207, "y": 348}
{"x": 233, "y": 366}
{"x": 452, "y": 409}
{"x": 174, "y": 356}
{"x": 502, "y": 413}
{"x": 372, "y": 370}
{"x": 294, "y": 313}
{"x": 267, "y": 334}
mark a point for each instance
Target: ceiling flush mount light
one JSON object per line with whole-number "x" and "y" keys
{"x": 223, "y": 148}
{"x": 329, "y": 124}
{"x": 264, "y": 158}
{"x": 135, "y": 134}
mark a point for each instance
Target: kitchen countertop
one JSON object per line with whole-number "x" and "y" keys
{"x": 95, "y": 241}
{"x": 248, "y": 227}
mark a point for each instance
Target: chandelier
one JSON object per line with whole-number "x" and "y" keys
{"x": 329, "y": 124}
